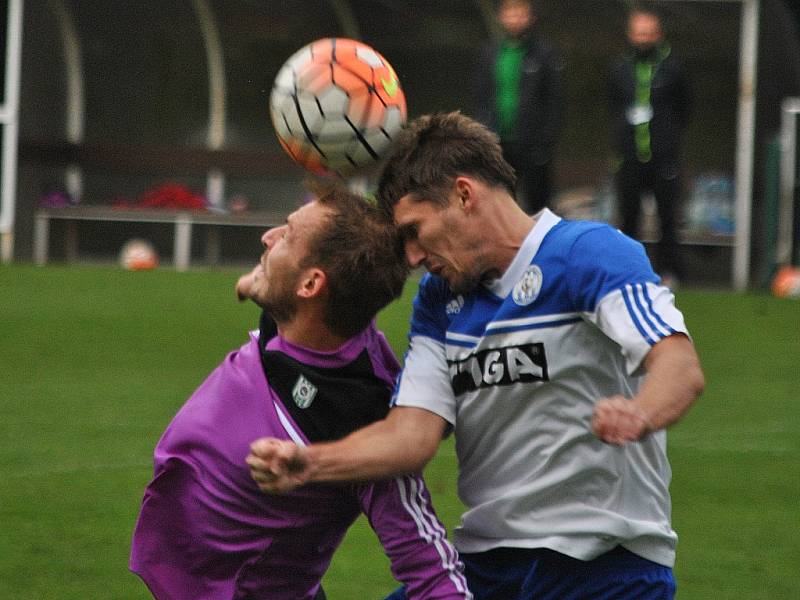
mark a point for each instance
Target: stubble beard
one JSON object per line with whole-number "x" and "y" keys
{"x": 281, "y": 310}
{"x": 278, "y": 299}
{"x": 465, "y": 283}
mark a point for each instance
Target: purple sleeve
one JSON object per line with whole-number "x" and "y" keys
{"x": 400, "y": 512}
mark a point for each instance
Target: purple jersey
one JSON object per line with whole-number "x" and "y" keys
{"x": 206, "y": 532}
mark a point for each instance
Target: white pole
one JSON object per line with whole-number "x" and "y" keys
{"x": 76, "y": 106}
{"x": 215, "y": 181}
{"x": 9, "y": 119}
{"x": 789, "y": 112}
{"x": 748, "y": 55}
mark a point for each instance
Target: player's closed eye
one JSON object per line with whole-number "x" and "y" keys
{"x": 409, "y": 232}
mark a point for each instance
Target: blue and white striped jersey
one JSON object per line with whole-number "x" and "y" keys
{"x": 516, "y": 367}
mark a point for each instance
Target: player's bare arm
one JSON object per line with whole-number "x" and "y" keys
{"x": 673, "y": 382}
{"x": 402, "y": 443}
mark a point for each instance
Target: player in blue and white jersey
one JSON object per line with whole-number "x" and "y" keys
{"x": 557, "y": 359}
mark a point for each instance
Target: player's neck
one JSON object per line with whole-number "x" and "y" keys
{"x": 509, "y": 226}
{"x": 309, "y": 331}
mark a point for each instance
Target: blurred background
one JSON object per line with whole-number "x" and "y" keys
{"x": 118, "y": 98}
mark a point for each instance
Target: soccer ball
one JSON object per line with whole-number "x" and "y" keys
{"x": 336, "y": 105}
{"x": 138, "y": 255}
{"x": 787, "y": 283}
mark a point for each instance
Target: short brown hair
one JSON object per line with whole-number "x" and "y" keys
{"x": 435, "y": 149}
{"x": 362, "y": 255}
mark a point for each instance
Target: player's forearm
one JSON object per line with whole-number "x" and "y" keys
{"x": 402, "y": 443}
{"x": 674, "y": 381}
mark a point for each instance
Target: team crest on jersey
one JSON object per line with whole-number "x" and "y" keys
{"x": 528, "y": 287}
{"x": 303, "y": 392}
{"x": 455, "y": 305}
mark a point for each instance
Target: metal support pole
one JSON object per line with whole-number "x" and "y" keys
{"x": 76, "y": 105}
{"x": 9, "y": 117}
{"x": 783, "y": 248}
{"x": 745, "y": 140}
{"x": 215, "y": 180}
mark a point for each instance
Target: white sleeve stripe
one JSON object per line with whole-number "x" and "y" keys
{"x": 446, "y": 550}
{"x": 430, "y": 529}
{"x": 422, "y": 506}
{"x": 403, "y": 488}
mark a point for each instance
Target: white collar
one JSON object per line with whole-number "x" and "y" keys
{"x": 545, "y": 221}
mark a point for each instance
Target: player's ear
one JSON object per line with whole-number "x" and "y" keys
{"x": 465, "y": 193}
{"x": 312, "y": 282}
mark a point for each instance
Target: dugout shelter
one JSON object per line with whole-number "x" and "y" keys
{"x": 104, "y": 100}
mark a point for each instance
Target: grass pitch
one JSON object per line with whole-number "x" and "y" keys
{"x": 95, "y": 361}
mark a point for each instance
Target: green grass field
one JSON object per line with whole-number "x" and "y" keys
{"x": 94, "y": 362}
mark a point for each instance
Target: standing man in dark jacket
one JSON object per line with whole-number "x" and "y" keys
{"x": 650, "y": 102}
{"x": 520, "y": 94}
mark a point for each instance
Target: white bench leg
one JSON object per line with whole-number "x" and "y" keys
{"x": 41, "y": 239}
{"x": 183, "y": 242}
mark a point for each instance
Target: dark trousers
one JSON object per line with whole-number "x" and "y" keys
{"x": 632, "y": 180}
{"x": 541, "y": 574}
{"x": 536, "y": 180}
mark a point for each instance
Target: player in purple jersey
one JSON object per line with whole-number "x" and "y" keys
{"x": 557, "y": 358}
{"x": 317, "y": 370}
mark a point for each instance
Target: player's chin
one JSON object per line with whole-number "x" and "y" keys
{"x": 259, "y": 295}
{"x": 459, "y": 283}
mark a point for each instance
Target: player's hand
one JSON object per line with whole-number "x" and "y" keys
{"x": 244, "y": 285}
{"x": 278, "y": 466}
{"x": 618, "y": 420}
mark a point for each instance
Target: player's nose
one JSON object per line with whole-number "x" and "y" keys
{"x": 415, "y": 253}
{"x": 271, "y": 236}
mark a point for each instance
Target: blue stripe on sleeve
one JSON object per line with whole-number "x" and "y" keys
{"x": 653, "y": 312}
{"x": 644, "y": 311}
{"x": 634, "y": 318}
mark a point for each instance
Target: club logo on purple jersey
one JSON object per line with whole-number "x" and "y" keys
{"x": 303, "y": 392}
{"x": 528, "y": 287}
